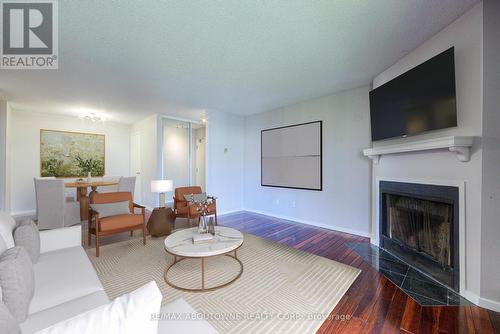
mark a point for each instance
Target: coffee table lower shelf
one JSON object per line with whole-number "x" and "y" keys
{"x": 178, "y": 259}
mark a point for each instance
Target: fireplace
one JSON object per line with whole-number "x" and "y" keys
{"x": 419, "y": 224}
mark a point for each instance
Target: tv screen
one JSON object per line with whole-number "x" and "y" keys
{"x": 419, "y": 100}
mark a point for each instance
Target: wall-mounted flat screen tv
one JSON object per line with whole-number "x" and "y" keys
{"x": 419, "y": 100}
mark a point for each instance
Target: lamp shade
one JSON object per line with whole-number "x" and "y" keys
{"x": 161, "y": 186}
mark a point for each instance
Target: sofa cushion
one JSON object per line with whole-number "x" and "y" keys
{"x": 53, "y": 315}
{"x": 111, "y": 209}
{"x": 8, "y": 324}
{"x": 17, "y": 281}
{"x": 60, "y": 238}
{"x": 196, "y": 198}
{"x": 121, "y": 221}
{"x": 3, "y": 246}
{"x": 178, "y": 317}
{"x": 26, "y": 235}
{"x": 7, "y": 226}
{"x": 61, "y": 276}
{"x": 180, "y": 192}
{"x": 127, "y": 314}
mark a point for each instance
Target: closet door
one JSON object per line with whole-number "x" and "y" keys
{"x": 176, "y": 153}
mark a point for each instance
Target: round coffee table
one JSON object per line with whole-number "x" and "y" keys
{"x": 180, "y": 245}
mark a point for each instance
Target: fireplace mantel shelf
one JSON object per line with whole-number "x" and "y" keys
{"x": 460, "y": 145}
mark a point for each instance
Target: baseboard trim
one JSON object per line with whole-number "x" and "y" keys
{"x": 471, "y": 296}
{"x": 312, "y": 223}
{"x": 483, "y": 302}
{"x": 489, "y": 304}
{"x": 228, "y": 212}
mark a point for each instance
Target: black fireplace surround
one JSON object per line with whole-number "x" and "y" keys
{"x": 419, "y": 224}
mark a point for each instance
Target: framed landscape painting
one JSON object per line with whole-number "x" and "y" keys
{"x": 71, "y": 154}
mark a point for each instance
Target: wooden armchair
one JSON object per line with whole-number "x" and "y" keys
{"x": 115, "y": 224}
{"x": 185, "y": 209}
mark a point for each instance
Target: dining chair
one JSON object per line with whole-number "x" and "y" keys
{"x": 108, "y": 189}
{"x": 69, "y": 198}
{"x": 127, "y": 184}
{"x": 52, "y": 208}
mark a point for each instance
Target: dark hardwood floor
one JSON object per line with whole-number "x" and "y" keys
{"x": 372, "y": 304}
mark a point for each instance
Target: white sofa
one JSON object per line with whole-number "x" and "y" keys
{"x": 66, "y": 285}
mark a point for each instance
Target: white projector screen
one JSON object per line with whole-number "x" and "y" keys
{"x": 291, "y": 156}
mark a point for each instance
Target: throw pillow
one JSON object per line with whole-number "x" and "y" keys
{"x": 129, "y": 314}
{"x": 7, "y": 226}
{"x": 27, "y": 235}
{"x": 111, "y": 209}
{"x": 17, "y": 281}
{"x": 7, "y": 323}
{"x": 196, "y": 198}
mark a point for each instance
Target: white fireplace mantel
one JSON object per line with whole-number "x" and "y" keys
{"x": 460, "y": 145}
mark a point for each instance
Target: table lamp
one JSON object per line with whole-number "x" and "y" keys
{"x": 162, "y": 186}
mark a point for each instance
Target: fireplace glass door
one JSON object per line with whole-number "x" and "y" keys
{"x": 422, "y": 225}
{"x": 419, "y": 224}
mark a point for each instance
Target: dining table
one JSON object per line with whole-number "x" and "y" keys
{"x": 82, "y": 195}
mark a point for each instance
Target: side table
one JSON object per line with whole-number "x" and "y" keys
{"x": 160, "y": 222}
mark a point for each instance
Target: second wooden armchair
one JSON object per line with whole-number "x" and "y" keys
{"x": 184, "y": 209}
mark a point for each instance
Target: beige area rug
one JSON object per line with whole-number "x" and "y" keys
{"x": 281, "y": 290}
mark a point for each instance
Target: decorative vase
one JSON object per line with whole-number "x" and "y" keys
{"x": 202, "y": 226}
{"x": 211, "y": 226}
{"x": 89, "y": 177}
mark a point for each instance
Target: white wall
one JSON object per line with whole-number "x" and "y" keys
{"x": 8, "y": 156}
{"x": 224, "y": 159}
{"x": 147, "y": 129}
{"x": 24, "y": 142}
{"x": 490, "y": 225}
{"x": 466, "y": 35}
{"x": 3, "y": 151}
{"x": 344, "y": 203}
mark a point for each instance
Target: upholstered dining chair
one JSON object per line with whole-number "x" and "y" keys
{"x": 53, "y": 210}
{"x": 185, "y": 209}
{"x": 69, "y": 198}
{"x": 108, "y": 216}
{"x": 127, "y": 184}
{"x": 36, "y": 201}
{"x": 108, "y": 178}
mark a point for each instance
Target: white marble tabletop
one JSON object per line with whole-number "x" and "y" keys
{"x": 180, "y": 243}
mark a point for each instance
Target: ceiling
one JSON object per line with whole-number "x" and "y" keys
{"x": 132, "y": 58}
